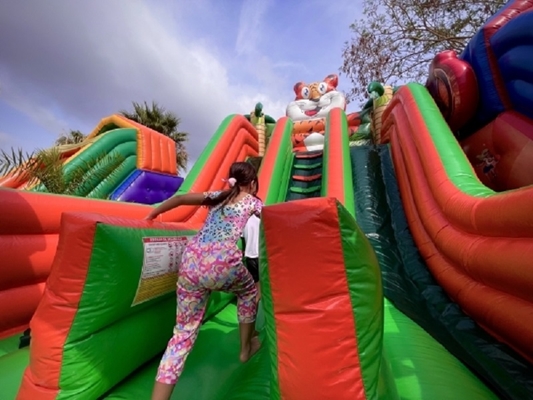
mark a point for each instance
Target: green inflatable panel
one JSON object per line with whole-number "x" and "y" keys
{"x": 12, "y": 366}
{"x": 212, "y": 370}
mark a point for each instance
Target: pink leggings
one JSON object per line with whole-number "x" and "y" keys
{"x": 195, "y": 282}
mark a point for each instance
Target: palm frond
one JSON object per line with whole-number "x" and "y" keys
{"x": 39, "y": 165}
{"x": 45, "y": 167}
{"x": 14, "y": 162}
{"x": 81, "y": 180}
{"x": 49, "y": 170}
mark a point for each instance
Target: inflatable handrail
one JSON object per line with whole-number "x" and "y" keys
{"x": 276, "y": 164}
{"x": 337, "y": 173}
{"x": 339, "y": 297}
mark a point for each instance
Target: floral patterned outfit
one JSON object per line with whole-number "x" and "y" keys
{"x": 211, "y": 261}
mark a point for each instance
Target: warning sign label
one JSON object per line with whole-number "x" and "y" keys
{"x": 161, "y": 261}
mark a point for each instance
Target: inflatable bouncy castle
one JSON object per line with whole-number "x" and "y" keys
{"x": 391, "y": 266}
{"x": 119, "y": 160}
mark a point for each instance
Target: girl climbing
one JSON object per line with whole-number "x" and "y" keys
{"x": 212, "y": 262}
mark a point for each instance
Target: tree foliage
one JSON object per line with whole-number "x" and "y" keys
{"x": 163, "y": 121}
{"x": 71, "y": 137}
{"x": 395, "y": 40}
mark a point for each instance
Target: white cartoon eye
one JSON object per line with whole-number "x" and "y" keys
{"x": 323, "y": 87}
{"x": 305, "y": 92}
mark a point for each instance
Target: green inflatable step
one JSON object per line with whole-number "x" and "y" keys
{"x": 305, "y": 190}
{"x": 306, "y": 176}
{"x": 307, "y": 166}
{"x": 297, "y": 183}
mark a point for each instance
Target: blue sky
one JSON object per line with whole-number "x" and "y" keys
{"x": 67, "y": 64}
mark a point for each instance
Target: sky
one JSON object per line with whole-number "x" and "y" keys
{"x": 68, "y": 64}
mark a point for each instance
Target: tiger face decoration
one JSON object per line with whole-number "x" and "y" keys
{"x": 315, "y": 100}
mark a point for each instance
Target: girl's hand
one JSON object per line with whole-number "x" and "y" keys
{"x": 150, "y": 217}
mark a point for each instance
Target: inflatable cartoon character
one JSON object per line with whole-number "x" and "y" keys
{"x": 308, "y": 111}
{"x": 381, "y": 95}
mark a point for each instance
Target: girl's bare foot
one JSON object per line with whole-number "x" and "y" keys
{"x": 255, "y": 345}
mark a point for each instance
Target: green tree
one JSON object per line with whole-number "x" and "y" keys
{"x": 163, "y": 121}
{"x": 71, "y": 137}
{"x": 394, "y": 40}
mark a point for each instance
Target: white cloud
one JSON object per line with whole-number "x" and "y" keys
{"x": 69, "y": 69}
{"x": 293, "y": 65}
{"x": 86, "y": 64}
{"x": 43, "y": 116}
{"x": 270, "y": 107}
{"x": 250, "y": 23}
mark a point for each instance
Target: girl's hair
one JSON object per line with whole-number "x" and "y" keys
{"x": 244, "y": 174}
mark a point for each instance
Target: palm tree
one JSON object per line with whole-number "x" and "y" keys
{"x": 163, "y": 121}
{"x": 72, "y": 137}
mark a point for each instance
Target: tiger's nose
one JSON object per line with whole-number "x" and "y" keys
{"x": 315, "y": 95}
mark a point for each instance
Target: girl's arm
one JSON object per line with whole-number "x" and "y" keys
{"x": 189, "y": 199}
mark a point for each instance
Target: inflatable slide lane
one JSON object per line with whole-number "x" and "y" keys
{"x": 308, "y": 118}
{"x": 477, "y": 244}
{"x": 29, "y": 232}
{"x": 119, "y": 160}
{"x": 307, "y": 173}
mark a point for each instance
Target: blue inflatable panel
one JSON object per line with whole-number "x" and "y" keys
{"x": 124, "y": 185}
{"x": 147, "y": 187}
{"x": 513, "y": 47}
{"x": 476, "y": 54}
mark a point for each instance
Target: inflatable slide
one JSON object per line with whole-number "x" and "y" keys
{"x": 98, "y": 305}
{"x": 391, "y": 185}
{"x": 393, "y": 203}
{"x": 317, "y": 293}
{"x": 389, "y": 271}
{"x": 119, "y": 160}
{"x": 102, "y": 298}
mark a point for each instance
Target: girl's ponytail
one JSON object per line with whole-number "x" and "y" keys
{"x": 240, "y": 174}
